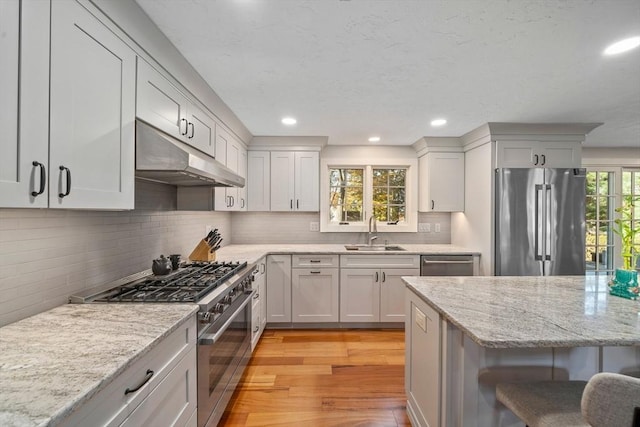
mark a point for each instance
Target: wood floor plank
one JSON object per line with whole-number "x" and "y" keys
{"x": 322, "y": 378}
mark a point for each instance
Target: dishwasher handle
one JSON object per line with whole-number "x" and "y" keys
{"x": 425, "y": 261}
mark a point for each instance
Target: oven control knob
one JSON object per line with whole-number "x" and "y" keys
{"x": 218, "y": 308}
{"x": 204, "y": 317}
{"x": 228, "y": 299}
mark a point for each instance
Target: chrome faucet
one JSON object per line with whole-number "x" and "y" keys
{"x": 372, "y": 229}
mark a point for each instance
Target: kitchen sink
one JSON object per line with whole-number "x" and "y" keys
{"x": 373, "y": 248}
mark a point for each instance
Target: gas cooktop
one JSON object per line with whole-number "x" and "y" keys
{"x": 189, "y": 283}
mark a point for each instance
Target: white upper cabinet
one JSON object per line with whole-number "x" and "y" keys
{"x": 258, "y": 180}
{"x": 164, "y": 106}
{"x": 24, "y": 103}
{"x": 231, "y": 153}
{"x": 75, "y": 147}
{"x": 441, "y": 176}
{"x": 538, "y": 154}
{"x": 295, "y": 181}
{"x": 92, "y": 114}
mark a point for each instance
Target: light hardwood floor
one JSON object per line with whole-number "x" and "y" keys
{"x": 322, "y": 378}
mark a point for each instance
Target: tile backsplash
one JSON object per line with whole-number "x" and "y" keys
{"x": 286, "y": 227}
{"x": 48, "y": 254}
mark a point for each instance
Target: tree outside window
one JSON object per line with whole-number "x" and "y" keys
{"x": 599, "y": 220}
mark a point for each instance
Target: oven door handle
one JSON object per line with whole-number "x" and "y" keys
{"x": 210, "y": 339}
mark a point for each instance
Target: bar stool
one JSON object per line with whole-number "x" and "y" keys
{"x": 607, "y": 400}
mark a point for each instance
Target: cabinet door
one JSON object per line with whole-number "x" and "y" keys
{"x": 441, "y": 182}
{"x": 92, "y": 114}
{"x": 307, "y": 181}
{"x": 359, "y": 295}
{"x": 24, "y": 103}
{"x": 423, "y": 363}
{"x": 241, "y": 204}
{"x": 392, "y": 292}
{"x": 201, "y": 132}
{"x": 160, "y": 103}
{"x": 225, "y": 155}
{"x": 515, "y": 154}
{"x": 314, "y": 295}
{"x": 258, "y": 180}
{"x": 278, "y": 288}
{"x": 282, "y": 181}
{"x": 566, "y": 155}
{"x": 173, "y": 401}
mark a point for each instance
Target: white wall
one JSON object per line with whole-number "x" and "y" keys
{"x": 622, "y": 157}
{"x": 48, "y": 254}
{"x": 473, "y": 228}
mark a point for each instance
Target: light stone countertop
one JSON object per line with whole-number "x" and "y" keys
{"x": 552, "y": 311}
{"x": 252, "y": 253}
{"x": 53, "y": 362}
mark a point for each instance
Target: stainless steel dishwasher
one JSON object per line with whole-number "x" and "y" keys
{"x": 446, "y": 265}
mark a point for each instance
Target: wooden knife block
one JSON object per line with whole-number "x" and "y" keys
{"x": 202, "y": 252}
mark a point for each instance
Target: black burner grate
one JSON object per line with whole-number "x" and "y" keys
{"x": 189, "y": 284}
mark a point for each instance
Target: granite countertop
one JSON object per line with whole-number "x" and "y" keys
{"x": 253, "y": 253}
{"x": 512, "y": 312}
{"x": 53, "y": 362}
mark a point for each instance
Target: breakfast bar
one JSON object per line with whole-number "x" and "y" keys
{"x": 465, "y": 334}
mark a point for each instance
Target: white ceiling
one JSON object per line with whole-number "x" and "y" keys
{"x": 352, "y": 69}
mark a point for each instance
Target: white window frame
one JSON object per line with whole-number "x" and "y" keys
{"x": 411, "y": 195}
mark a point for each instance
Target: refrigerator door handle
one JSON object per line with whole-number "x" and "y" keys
{"x": 538, "y": 227}
{"x": 549, "y": 226}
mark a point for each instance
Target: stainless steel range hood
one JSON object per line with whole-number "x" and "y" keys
{"x": 162, "y": 158}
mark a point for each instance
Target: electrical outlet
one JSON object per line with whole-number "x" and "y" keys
{"x": 437, "y": 227}
{"x": 424, "y": 227}
{"x": 314, "y": 226}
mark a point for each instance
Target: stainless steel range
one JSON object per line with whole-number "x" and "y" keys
{"x": 223, "y": 292}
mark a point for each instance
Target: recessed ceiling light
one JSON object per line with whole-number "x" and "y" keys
{"x": 374, "y": 139}
{"x": 438, "y": 122}
{"x": 622, "y": 46}
{"x": 289, "y": 121}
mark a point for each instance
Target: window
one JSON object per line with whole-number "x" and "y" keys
{"x": 389, "y": 195}
{"x": 352, "y": 193}
{"x": 606, "y": 189}
{"x": 631, "y": 192}
{"x": 347, "y": 195}
{"x": 599, "y": 219}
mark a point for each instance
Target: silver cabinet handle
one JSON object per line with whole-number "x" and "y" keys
{"x": 376, "y": 276}
{"x": 384, "y": 277}
{"x": 433, "y": 204}
{"x": 544, "y": 159}
{"x": 193, "y": 130}
{"x": 314, "y": 272}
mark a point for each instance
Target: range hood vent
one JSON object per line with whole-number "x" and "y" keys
{"x": 162, "y": 158}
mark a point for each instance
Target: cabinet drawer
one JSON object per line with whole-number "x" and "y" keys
{"x": 380, "y": 261}
{"x": 111, "y": 405}
{"x": 174, "y": 400}
{"x": 314, "y": 261}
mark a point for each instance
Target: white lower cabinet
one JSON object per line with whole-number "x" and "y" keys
{"x": 259, "y": 303}
{"x": 173, "y": 402}
{"x": 423, "y": 362}
{"x": 315, "y": 289}
{"x": 279, "y": 288}
{"x": 369, "y": 293}
{"x": 157, "y": 389}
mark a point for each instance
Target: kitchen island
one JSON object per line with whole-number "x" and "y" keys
{"x": 465, "y": 334}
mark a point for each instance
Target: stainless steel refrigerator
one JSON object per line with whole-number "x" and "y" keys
{"x": 540, "y": 222}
